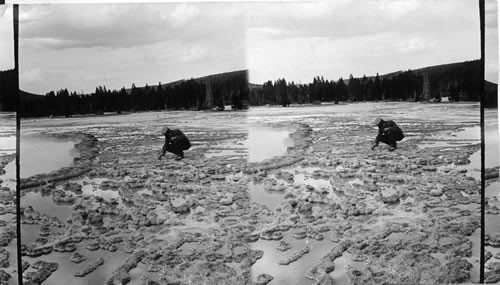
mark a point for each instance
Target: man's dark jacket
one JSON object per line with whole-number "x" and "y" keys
{"x": 178, "y": 138}
{"x": 389, "y": 127}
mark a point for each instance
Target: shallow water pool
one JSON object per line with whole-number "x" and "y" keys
{"x": 267, "y": 142}
{"x": 66, "y": 269}
{"x": 301, "y": 176}
{"x": 467, "y": 136}
{"x": 45, "y": 205}
{"x": 42, "y": 155}
{"x": 295, "y": 271}
{"x": 259, "y": 195}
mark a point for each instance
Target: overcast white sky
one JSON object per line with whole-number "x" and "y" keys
{"x": 7, "y": 38}
{"x": 491, "y": 41}
{"x": 81, "y": 46}
{"x": 298, "y": 41}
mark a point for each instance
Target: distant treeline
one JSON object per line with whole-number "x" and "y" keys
{"x": 8, "y": 91}
{"x": 490, "y": 95}
{"x": 405, "y": 86}
{"x": 192, "y": 94}
{"x": 460, "y": 81}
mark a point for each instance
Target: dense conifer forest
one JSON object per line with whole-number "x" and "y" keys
{"x": 203, "y": 93}
{"x": 457, "y": 81}
{"x": 8, "y": 91}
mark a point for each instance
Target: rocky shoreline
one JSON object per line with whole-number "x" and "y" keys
{"x": 492, "y": 236}
{"x": 408, "y": 215}
{"x": 7, "y": 224}
{"x": 87, "y": 150}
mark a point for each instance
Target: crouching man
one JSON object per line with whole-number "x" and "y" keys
{"x": 175, "y": 142}
{"x": 388, "y": 133}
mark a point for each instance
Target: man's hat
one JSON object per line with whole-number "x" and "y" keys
{"x": 377, "y": 121}
{"x": 164, "y": 130}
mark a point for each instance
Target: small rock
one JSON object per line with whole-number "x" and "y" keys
{"x": 4, "y": 258}
{"x": 429, "y": 168}
{"x": 77, "y": 257}
{"x": 226, "y": 201}
{"x": 4, "y": 276}
{"x": 436, "y": 192}
{"x": 283, "y": 246}
{"x": 389, "y": 196}
{"x": 300, "y": 234}
{"x": 263, "y": 279}
{"x": 90, "y": 267}
{"x": 295, "y": 256}
{"x": 180, "y": 205}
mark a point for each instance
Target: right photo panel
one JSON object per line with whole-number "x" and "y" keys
{"x": 491, "y": 136}
{"x": 365, "y": 138}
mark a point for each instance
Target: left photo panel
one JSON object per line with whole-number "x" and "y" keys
{"x": 128, "y": 113}
{"x": 8, "y": 96}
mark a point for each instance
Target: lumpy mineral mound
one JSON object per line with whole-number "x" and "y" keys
{"x": 342, "y": 212}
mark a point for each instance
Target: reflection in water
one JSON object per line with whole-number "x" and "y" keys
{"x": 29, "y": 233}
{"x": 493, "y": 190}
{"x": 90, "y": 187}
{"x": 468, "y": 136}
{"x": 262, "y": 143}
{"x": 7, "y": 144}
{"x": 140, "y": 272}
{"x": 12, "y": 268}
{"x": 494, "y": 251}
{"x": 492, "y": 159}
{"x": 472, "y": 133}
{"x": 259, "y": 195}
{"x": 66, "y": 269}
{"x": 45, "y": 205}
{"x": 229, "y": 148}
{"x": 339, "y": 275}
{"x": 269, "y": 263}
{"x": 295, "y": 271}
{"x": 7, "y": 133}
{"x": 266, "y": 142}
{"x": 42, "y": 155}
{"x": 476, "y": 247}
{"x": 304, "y": 176}
{"x": 491, "y": 138}
{"x": 283, "y": 274}
{"x": 8, "y": 217}
{"x": 301, "y": 176}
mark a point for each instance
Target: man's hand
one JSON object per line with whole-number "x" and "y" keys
{"x": 161, "y": 155}
{"x": 374, "y": 146}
